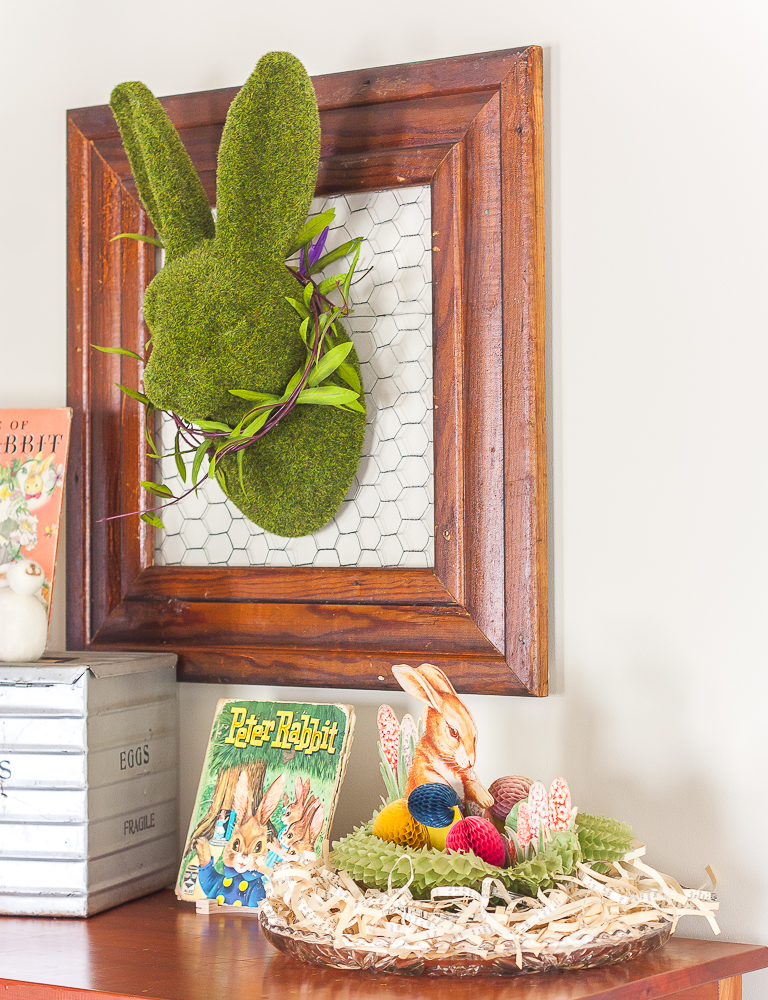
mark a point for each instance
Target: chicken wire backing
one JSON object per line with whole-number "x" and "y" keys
{"x": 387, "y": 518}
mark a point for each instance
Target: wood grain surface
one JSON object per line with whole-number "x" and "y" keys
{"x": 159, "y": 948}
{"x": 471, "y": 128}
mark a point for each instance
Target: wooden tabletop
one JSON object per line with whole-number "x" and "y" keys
{"x": 161, "y": 949}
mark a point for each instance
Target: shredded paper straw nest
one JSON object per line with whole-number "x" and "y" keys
{"x": 321, "y": 915}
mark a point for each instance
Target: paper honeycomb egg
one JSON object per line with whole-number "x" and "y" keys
{"x": 438, "y": 834}
{"x": 507, "y": 792}
{"x": 395, "y": 824}
{"x": 479, "y": 836}
{"x": 432, "y": 804}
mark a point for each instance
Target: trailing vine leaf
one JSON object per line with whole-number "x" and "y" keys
{"x": 258, "y": 397}
{"x": 202, "y": 448}
{"x": 348, "y": 373}
{"x": 255, "y": 425}
{"x": 327, "y": 395}
{"x": 180, "y": 466}
{"x": 148, "y": 433}
{"x": 118, "y": 350}
{"x": 338, "y": 253}
{"x": 308, "y": 232}
{"x": 157, "y": 489}
{"x": 300, "y": 308}
{"x": 345, "y": 286}
{"x": 304, "y": 331}
{"x": 330, "y": 362}
{"x": 152, "y": 519}
{"x": 140, "y": 237}
{"x": 330, "y": 284}
{"x": 295, "y": 379}
{"x": 134, "y": 394}
{"x": 212, "y": 425}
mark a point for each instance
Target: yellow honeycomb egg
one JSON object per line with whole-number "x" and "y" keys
{"x": 437, "y": 834}
{"x": 395, "y": 824}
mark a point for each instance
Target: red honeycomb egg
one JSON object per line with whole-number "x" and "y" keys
{"x": 479, "y": 836}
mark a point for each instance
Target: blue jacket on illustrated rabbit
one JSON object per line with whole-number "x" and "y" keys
{"x": 241, "y": 883}
{"x": 218, "y": 310}
{"x": 232, "y": 888}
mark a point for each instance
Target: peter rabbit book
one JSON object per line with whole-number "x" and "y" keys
{"x": 269, "y": 786}
{"x": 33, "y": 459}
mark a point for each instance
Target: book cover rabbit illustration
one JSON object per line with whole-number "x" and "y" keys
{"x": 269, "y": 786}
{"x": 33, "y": 459}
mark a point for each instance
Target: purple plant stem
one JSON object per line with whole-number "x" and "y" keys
{"x": 162, "y": 506}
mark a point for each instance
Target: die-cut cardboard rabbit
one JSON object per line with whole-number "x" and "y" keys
{"x": 217, "y": 310}
{"x": 446, "y": 751}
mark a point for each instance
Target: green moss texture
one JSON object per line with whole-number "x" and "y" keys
{"x": 217, "y": 311}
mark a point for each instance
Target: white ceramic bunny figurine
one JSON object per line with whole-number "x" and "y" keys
{"x": 23, "y": 618}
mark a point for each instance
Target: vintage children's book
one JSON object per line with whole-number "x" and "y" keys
{"x": 33, "y": 459}
{"x": 269, "y": 787}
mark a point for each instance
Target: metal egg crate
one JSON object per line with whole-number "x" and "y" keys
{"x": 88, "y": 781}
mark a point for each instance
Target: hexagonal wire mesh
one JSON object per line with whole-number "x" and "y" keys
{"x": 387, "y": 517}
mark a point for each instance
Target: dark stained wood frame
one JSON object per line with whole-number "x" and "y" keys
{"x": 471, "y": 127}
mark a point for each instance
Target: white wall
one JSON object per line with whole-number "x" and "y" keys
{"x": 657, "y": 402}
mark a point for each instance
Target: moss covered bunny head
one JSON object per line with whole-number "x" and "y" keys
{"x": 218, "y": 311}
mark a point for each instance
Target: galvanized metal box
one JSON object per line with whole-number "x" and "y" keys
{"x": 88, "y": 781}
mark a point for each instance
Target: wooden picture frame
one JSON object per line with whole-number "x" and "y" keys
{"x": 471, "y": 127}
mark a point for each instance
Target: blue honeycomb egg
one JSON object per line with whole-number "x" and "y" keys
{"x": 432, "y": 804}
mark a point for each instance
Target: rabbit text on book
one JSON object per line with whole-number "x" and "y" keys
{"x": 28, "y": 443}
{"x": 303, "y": 735}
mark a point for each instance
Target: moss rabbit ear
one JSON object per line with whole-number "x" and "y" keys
{"x": 168, "y": 184}
{"x": 268, "y": 160}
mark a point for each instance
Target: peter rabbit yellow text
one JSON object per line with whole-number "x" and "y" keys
{"x": 303, "y": 736}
